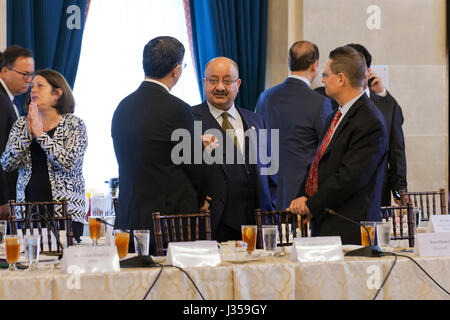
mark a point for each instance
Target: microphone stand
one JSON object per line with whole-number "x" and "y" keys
{"x": 140, "y": 261}
{"x": 370, "y": 251}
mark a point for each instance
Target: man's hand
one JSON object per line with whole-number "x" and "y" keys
{"x": 299, "y": 207}
{"x": 206, "y": 204}
{"x": 376, "y": 84}
{"x": 4, "y": 211}
{"x": 210, "y": 142}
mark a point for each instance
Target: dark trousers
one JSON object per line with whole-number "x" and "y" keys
{"x": 225, "y": 233}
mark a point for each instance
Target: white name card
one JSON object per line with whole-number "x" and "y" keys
{"x": 439, "y": 223}
{"x": 193, "y": 254}
{"x": 90, "y": 260}
{"x": 432, "y": 244}
{"x": 317, "y": 249}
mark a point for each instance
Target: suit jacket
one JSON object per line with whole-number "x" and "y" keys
{"x": 351, "y": 173}
{"x": 149, "y": 181}
{"x": 7, "y": 118}
{"x": 395, "y": 176}
{"x": 300, "y": 114}
{"x": 262, "y": 188}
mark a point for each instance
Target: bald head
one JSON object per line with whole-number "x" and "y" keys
{"x": 302, "y": 55}
{"x": 221, "y": 82}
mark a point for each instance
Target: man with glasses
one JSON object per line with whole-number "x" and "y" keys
{"x": 142, "y": 127}
{"x": 347, "y": 171}
{"x": 236, "y": 186}
{"x": 300, "y": 114}
{"x": 16, "y": 72}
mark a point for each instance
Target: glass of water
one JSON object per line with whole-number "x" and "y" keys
{"x": 269, "y": 233}
{"x": 384, "y": 233}
{"x": 32, "y": 244}
{"x": 3, "y": 225}
{"x": 144, "y": 241}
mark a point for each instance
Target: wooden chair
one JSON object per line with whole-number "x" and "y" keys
{"x": 426, "y": 201}
{"x": 180, "y": 227}
{"x": 280, "y": 218}
{"x": 394, "y": 212}
{"x": 30, "y": 217}
{"x": 115, "y": 205}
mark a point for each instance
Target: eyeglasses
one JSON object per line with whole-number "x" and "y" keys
{"x": 25, "y": 75}
{"x": 184, "y": 65}
{"x": 226, "y": 82}
{"x": 324, "y": 75}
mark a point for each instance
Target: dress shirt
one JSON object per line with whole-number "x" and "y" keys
{"x": 234, "y": 118}
{"x": 300, "y": 78}
{"x": 157, "y": 82}
{"x": 11, "y": 96}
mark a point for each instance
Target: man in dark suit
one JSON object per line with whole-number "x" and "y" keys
{"x": 348, "y": 169}
{"x": 299, "y": 114}
{"x": 16, "y": 71}
{"x": 142, "y": 127}
{"x": 237, "y": 185}
{"x": 395, "y": 175}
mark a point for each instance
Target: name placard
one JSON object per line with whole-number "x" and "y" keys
{"x": 90, "y": 260}
{"x": 317, "y": 249}
{"x": 432, "y": 244}
{"x": 193, "y": 254}
{"x": 439, "y": 223}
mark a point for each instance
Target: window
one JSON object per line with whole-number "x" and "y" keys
{"x": 110, "y": 68}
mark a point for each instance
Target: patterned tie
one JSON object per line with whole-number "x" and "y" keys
{"x": 311, "y": 183}
{"x": 226, "y": 125}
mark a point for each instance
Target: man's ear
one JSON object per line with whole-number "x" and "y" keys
{"x": 176, "y": 71}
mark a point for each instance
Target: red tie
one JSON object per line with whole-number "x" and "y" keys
{"x": 311, "y": 183}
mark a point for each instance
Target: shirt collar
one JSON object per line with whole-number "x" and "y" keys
{"x": 217, "y": 113}
{"x": 300, "y": 78}
{"x": 367, "y": 91}
{"x": 347, "y": 106}
{"x": 11, "y": 96}
{"x": 158, "y": 82}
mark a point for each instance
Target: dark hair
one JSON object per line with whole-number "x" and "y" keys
{"x": 161, "y": 55}
{"x": 351, "y": 63}
{"x": 10, "y": 55}
{"x": 364, "y": 51}
{"x": 66, "y": 102}
{"x": 302, "y": 55}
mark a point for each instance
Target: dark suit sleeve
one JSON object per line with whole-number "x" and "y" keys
{"x": 197, "y": 171}
{"x": 322, "y": 116}
{"x": 397, "y": 156}
{"x": 365, "y": 150}
{"x": 5, "y": 127}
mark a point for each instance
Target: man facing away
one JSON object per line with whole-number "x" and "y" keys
{"x": 237, "y": 186}
{"x": 347, "y": 171}
{"x": 16, "y": 72}
{"x": 300, "y": 114}
{"x": 142, "y": 127}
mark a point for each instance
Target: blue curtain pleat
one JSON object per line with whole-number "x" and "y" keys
{"x": 42, "y": 27}
{"x": 236, "y": 29}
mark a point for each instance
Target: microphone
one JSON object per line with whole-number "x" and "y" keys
{"x": 370, "y": 251}
{"x": 140, "y": 261}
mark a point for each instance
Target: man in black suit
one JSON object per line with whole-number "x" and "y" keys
{"x": 300, "y": 114}
{"x": 16, "y": 71}
{"x": 348, "y": 169}
{"x": 150, "y": 179}
{"x": 237, "y": 185}
{"x": 395, "y": 175}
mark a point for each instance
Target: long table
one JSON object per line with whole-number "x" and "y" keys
{"x": 270, "y": 278}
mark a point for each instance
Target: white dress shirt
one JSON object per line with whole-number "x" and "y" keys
{"x": 300, "y": 78}
{"x": 234, "y": 118}
{"x": 11, "y": 96}
{"x": 157, "y": 82}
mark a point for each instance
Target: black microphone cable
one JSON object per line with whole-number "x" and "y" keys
{"x": 387, "y": 276}
{"x": 159, "y": 274}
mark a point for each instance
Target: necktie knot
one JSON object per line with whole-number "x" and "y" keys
{"x": 225, "y": 115}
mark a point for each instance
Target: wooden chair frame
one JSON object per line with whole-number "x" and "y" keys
{"x": 390, "y": 214}
{"x": 63, "y": 222}
{"x": 169, "y": 228}
{"x": 417, "y": 201}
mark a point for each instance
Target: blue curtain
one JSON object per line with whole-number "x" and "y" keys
{"x": 42, "y": 26}
{"x": 236, "y": 29}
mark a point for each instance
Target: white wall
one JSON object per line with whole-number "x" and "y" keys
{"x": 2, "y": 25}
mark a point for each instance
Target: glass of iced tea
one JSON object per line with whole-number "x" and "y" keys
{"x": 249, "y": 237}
{"x": 94, "y": 230}
{"x": 370, "y": 226}
{"x": 12, "y": 246}
{"x": 122, "y": 239}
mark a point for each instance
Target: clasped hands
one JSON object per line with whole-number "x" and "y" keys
{"x": 298, "y": 206}
{"x": 35, "y": 124}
